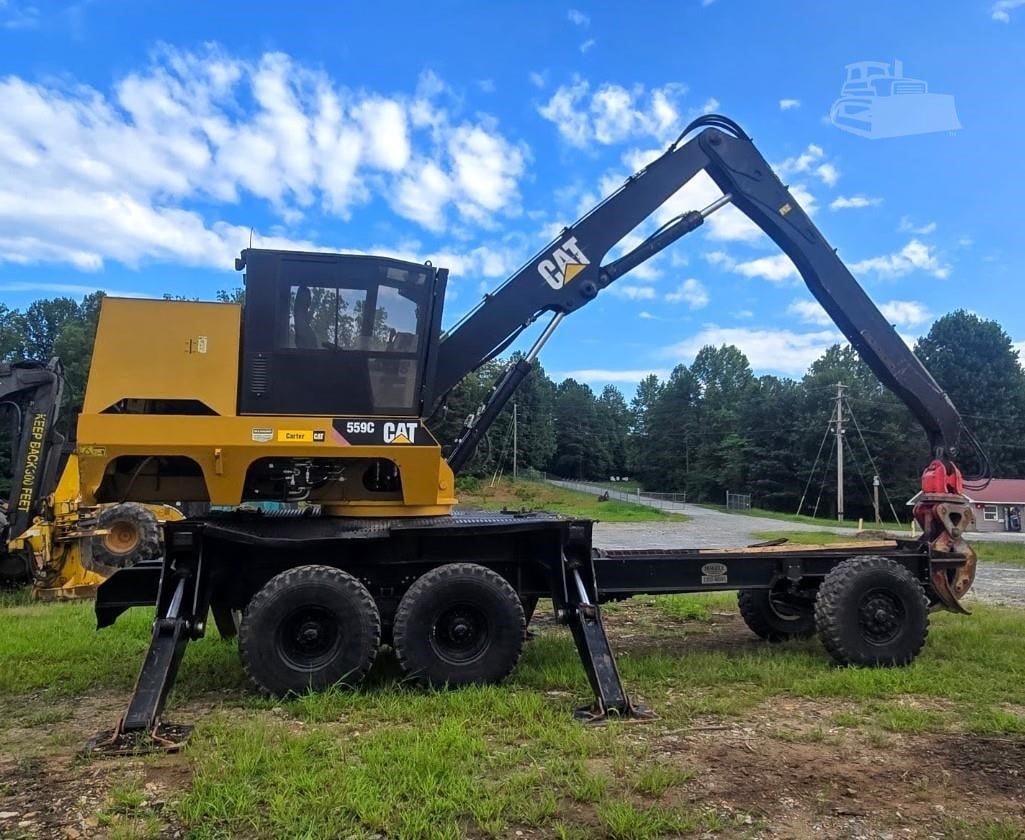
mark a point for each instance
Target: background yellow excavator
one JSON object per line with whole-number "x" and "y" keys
{"x": 47, "y": 537}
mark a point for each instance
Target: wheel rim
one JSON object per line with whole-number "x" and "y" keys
{"x": 782, "y": 610}
{"x": 309, "y": 638}
{"x": 460, "y": 634}
{"x": 881, "y": 616}
{"x": 123, "y": 538}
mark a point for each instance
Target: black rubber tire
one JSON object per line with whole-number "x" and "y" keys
{"x": 134, "y": 536}
{"x": 459, "y": 624}
{"x": 872, "y": 611}
{"x": 771, "y": 621}
{"x": 309, "y": 628}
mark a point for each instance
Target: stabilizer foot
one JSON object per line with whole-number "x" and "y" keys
{"x": 635, "y": 713}
{"x": 164, "y": 738}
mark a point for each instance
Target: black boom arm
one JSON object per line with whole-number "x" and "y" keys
{"x": 30, "y": 394}
{"x": 569, "y": 273}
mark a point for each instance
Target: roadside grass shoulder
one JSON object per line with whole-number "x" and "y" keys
{"x": 530, "y": 495}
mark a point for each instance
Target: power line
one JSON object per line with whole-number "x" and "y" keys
{"x": 873, "y": 463}
{"x": 811, "y": 475}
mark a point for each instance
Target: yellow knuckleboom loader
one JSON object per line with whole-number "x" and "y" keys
{"x": 318, "y": 390}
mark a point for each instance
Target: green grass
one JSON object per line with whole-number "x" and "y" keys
{"x": 987, "y": 829}
{"x": 1003, "y": 553}
{"x": 488, "y": 761}
{"x": 538, "y": 495}
{"x": 54, "y": 650}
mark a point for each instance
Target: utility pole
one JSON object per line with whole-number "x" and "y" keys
{"x": 515, "y": 448}
{"x": 839, "y": 451}
{"x": 875, "y": 497}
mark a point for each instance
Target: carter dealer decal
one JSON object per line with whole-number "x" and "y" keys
{"x": 300, "y": 435}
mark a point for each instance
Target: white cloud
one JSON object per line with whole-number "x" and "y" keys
{"x": 900, "y": 313}
{"x": 15, "y": 14}
{"x": 578, "y": 18}
{"x": 143, "y": 171}
{"x": 710, "y": 106}
{"x": 789, "y": 104}
{"x": 604, "y": 375}
{"x": 632, "y": 292}
{"x": 828, "y": 174}
{"x": 485, "y": 169}
{"x": 66, "y": 289}
{"x": 1001, "y": 10}
{"x": 691, "y": 292}
{"x": 844, "y": 202}
{"x": 811, "y": 161}
{"x": 610, "y": 113}
{"x": 915, "y": 256}
{"x": 647, "y": 316}
{"x": 587, "y": 45}
{"x": 781, "y": 351}
{"x": 905, "y": 313}
{"x": 538, "y": 80}
{"x": 777, "y": 269}
{"x": 809, "y": 312}
{"x": 1020, "y": 347}
{"x": 907, "y": 226}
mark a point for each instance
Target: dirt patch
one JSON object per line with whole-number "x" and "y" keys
{"x": 840, "y": 783}
{"x": 48, "y": 789}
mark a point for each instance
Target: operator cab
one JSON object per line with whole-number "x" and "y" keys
{"x": 332, "y": 334}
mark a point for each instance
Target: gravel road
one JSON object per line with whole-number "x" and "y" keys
{"x": 709, "y": 528}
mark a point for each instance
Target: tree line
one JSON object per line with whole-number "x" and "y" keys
{"x": 710, "y": 427}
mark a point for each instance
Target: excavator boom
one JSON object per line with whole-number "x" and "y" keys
{"x": 570, "y": 272}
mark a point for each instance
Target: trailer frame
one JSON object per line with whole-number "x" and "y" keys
{"x": 218, "y": 563}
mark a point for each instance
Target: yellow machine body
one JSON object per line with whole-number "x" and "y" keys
{"x": 160, "y": 424}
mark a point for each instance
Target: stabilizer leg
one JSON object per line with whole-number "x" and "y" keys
{"x": 584, "y": 618}
{"x": 182, "y": 606}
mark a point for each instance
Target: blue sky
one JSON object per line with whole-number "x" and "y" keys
{"x": 141, "y": 141}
